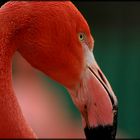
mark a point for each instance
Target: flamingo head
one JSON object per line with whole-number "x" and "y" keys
{"x": 58, "y": 42}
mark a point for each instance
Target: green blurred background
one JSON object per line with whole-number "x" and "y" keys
{"x": 116, "y": 28}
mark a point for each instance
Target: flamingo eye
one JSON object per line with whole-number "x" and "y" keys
{"x": 81, "y": 36}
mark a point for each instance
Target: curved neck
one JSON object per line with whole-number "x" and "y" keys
{"x": 12, "y": 122}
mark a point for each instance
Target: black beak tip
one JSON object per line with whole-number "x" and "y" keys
{"x": 103, "y": 131}
{"x": 100, "y": 132}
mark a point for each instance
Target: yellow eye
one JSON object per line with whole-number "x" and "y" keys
{"x": 81, "y": 36}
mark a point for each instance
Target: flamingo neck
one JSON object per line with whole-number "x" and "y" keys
{"x": 12, "y": 122}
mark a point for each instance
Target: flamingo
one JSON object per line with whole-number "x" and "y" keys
{"x": 54, "y": 38}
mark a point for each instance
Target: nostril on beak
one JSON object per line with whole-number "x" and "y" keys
{"x": 102, "y": 77}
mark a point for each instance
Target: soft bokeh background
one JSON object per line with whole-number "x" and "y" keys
{"x": 47, "y": 105}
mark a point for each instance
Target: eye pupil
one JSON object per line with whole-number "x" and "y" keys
{"x": 81, "y": 37}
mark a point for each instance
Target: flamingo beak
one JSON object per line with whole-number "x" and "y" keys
{"x": 96, "y": 101}
{"x": 101, "y": 118}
